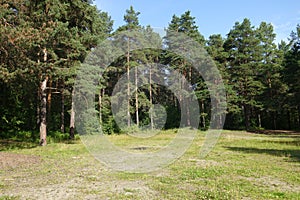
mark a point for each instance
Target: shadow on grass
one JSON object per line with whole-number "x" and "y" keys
{"x": 295, "y": 142}
{"x": 294, "y": 155}
{"x": 277, "y": 132}
{"x": 10, "y": 144}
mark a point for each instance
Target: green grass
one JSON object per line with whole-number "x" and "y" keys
{"x": 241, "y": 166}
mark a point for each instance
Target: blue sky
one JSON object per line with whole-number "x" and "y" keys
{"x": 212, "y": 16}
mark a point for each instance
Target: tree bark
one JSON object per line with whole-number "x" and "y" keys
{"x": 136, "y": 98}
{"x": 101, "y": 94}
{"x": 188, "y": 115}
{"x": 259, "y": 120}
{"x": 49, "y": 99}
{"x": 43, "y": 112}
{"x": 150, "y": 97}
{"x": 203, "y": 114}
{"x": 128, "y": 83}
{"x": 247, "y": 117}
{"x": 62, "y": 112}
{"x": 38, "y": 108}
{"x": 72, "y": 118}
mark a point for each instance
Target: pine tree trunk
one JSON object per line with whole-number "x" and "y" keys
{"x": 203, "y": 116}
{"x": 100, "y": 106}
{"x": 43, "y": 112}
{"x": 38, "y": 108}
{"x": 128, "y": 84}
{"x": 180, "y": 95}
{"x": 136, "y": 98}
{"x": 150, "y": 96}
{"x": 62, "y": 112}
{"x": 49, "y": 99}
{"x": 247, "y": 117}
{"x": 259, "y": 120}
{"x": 72, "y": 118}
{"x": 188, "y": 115}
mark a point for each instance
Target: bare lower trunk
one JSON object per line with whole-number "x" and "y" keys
{"x": 62, "y": 112}
{"x": 38, "y": 108}
{"x": 136, "y": 99}
{"x": 100, "y": 106}
{"x": 128, "y": 85}
{"x": 49, "y": 100}
{"x": 150, "y": 96}
{"x": 188, "y": 115}
{"x": 259, "y": 120}
{"x": 43, "y": 112}
{"x": 247, "y": 117}
{"x": 203, "y": 114}
{"x": 72, "y": 118}
{"x": 43, "y": 109}
{"x": 187, "y": 106}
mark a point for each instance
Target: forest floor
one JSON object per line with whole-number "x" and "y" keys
{"x": 241, "y": 166}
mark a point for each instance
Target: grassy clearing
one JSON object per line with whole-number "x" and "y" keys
{"x": 241, "y": 166}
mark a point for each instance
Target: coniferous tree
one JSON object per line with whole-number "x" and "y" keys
{"x": 185, "y": 24}
{"x": 53, "y": 37}
{"x": 132, "y": 24}
{"x": 270, "y": 66}
{"x": 291, "y": 75}
{"x": 215, "y": 48}
{"x": 243, "y": 48}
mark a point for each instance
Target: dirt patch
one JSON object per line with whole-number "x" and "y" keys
{"x": 79, "y": 188}
{"x": 77, "y": 177}
{"x": 273, "y": 183}
{"x": 12, "y": 160}
{"x": 205, "y": 163}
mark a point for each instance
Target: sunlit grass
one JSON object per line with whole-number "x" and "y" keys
{"x": 241, "y": 165}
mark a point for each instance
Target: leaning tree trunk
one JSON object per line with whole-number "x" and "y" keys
{"x": 72, "y": 118}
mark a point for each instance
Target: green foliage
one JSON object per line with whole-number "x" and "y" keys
{"x": 52, "y": 38}
{"x": 57, "y": 137}
{"x": 39, "y": 39}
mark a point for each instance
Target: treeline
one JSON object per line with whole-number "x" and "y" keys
{"x": 44, "y": 42}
